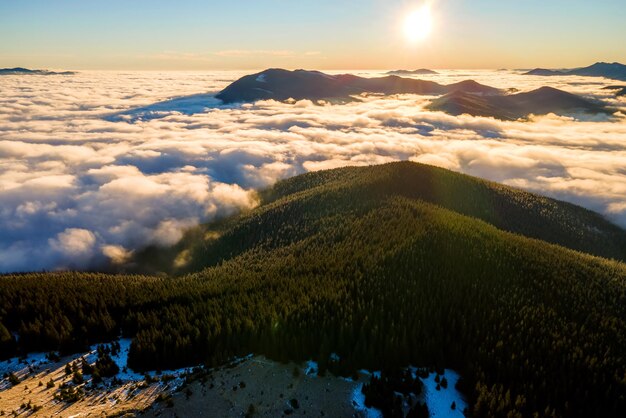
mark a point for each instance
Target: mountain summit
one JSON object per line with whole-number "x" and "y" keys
{"x": 516, "y": 106}
{"x": 279, "y": 84}
{"x": 421, "y": 71}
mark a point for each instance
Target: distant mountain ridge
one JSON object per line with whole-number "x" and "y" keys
{"x": 26, "y": 71}
{"x": 281, "y": 85}
{"x": 421, "y": 71}
{"x": 516, "y": 106}
{"x": 615, "y": 71}
{"x": 467, "y": 96}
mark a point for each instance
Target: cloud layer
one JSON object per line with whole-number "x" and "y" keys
{"x": 80, "y": 185}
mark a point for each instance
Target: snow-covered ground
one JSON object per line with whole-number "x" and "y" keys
{"x": 21, "y": 366}
{"x": 126, "y": 374}
{"x": 439, "y": 402}
{"x": 121, "y": 359}
{"x": 36, "y": 362}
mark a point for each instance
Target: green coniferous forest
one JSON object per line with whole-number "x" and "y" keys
{"x": 387, "y": 266}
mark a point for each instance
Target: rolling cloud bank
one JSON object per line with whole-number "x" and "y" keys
{"x": 96, "y": 165}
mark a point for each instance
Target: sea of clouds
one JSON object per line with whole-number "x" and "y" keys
{"x": 99, "y": 164}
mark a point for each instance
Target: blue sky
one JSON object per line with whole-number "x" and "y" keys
{"x": 325, "y": 34}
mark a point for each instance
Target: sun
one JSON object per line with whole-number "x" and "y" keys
{"x": 418, "y": 24}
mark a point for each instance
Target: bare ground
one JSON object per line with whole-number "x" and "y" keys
{"x": 267, "y": 386}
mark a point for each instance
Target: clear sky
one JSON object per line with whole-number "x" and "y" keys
{"x": 324, "y": 34}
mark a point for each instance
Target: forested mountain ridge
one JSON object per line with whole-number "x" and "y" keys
{"x": 386, "y": 266}
{"x": 504, "y": 207}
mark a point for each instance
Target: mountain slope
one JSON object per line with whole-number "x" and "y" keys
{"x": 506, "y": 208}
{"x": 386, "y": 266}
{"x": 511, "y": 107}
{"x": 279, "y": 84}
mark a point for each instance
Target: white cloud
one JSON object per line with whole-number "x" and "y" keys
{"x": 74, "y": 246}
{"x": 169, "y": 231}
{"x": 116, "y": 253}
{"x": 78, "y": 189}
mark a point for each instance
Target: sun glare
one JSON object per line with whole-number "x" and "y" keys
{"x": 418, "y": 24}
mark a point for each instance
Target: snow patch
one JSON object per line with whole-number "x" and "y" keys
{"x": 439, "y": 401}
{"x": 358, "y": 401}
{"x": 126, "y": 374}
{"x": 261, "y": 79}
{"x": 18, "y": 364}
{"x": 311, "y": 368}
{"x": 121, "y": 359}
{"x": 35, "y": 362}
{"x": 375, "y": 373}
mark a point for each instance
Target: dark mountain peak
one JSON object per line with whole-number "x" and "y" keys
{"x": 281, "y": 72}
{"x": 420, "y": 71}
{"x": 460, "y": 102}
{"x": 612, "y": 65}
{"x": 541, "y": 101}
{"x": 613, "y": 70}
{"x": 26, "y": 71}
{"x": 547, "y": 91}
{"x": 280, "y": 84}
{"x": 467, "y": 83}
{"x": 472, "y": 86}
{"x": 278, "y": 71}
{"x": 543, "y": 72}
{"x": 18, "y": 70}
{"x": 551, "y": 100}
